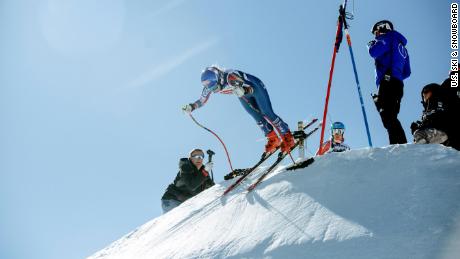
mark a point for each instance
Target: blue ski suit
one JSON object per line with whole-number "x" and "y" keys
{"x": 257, "y": 97}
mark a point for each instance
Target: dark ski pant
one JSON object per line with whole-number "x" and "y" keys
{"x": 261, "y": 106}
{"x": 388, "y": 104}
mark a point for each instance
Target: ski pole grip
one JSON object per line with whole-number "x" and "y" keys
{"x": 210, "y": 154}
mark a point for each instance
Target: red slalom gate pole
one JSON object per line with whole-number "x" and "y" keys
{"x": 338, "y": 40}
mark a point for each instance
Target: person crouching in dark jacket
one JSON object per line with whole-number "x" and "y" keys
{"x": 192, "y": 178}
{"x": 434, "y": 126}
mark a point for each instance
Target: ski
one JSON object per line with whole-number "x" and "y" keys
{"x": 265, "y": 156}
{"x": 280, "y": 158}
{"x": 248, "y": 171}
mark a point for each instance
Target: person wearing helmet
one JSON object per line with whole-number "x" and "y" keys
{"x": 253, "y": 96}
{"x": 434, "y": 126}
{"x": 392, "y": 66}
{"x": 192, "y": 178}
{"x": 335, "y": 143}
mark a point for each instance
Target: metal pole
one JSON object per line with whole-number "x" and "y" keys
{"x": 345, "y": 25}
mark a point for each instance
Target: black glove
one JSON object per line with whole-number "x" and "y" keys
{"x": 371, "y": 43}
{"x": 415, "y": 126}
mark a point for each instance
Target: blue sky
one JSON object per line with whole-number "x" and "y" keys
{"x": 91, "y": 129}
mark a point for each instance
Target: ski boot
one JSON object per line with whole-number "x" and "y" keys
{"x": 272, "y": 143}
{"x": 288, "y": 142}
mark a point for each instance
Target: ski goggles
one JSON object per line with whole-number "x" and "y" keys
{"x": 210, "y": 84}
{"x": 338, "y": 131}
{"x": 197, "y": 157}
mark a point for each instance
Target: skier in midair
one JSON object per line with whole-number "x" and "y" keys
{"x": 392, "y": 66}
{"x": 336, "y": 142}
{"x": 253, "y": 96}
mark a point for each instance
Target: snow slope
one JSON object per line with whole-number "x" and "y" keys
{"x": 400, "y": 201}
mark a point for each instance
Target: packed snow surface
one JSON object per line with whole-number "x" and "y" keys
{"x": 399, "y": 201}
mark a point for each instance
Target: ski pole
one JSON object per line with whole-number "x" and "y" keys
{"x": 210, "y": 154}
{"x": 338, "y": 40}
{"x": 212, "y": 132}
{"x": 345, "y": 25}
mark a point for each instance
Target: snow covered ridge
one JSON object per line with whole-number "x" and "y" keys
{"x": 395, "y": 202}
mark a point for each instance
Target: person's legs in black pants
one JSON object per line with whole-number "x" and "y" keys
{"x": 389, "y": 101}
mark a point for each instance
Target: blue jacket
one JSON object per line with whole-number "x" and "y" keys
{"x": 391, "y": 56}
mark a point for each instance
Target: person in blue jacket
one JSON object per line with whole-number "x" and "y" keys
{"x": 253, "y": 96}
{"x": 392, "y": 66}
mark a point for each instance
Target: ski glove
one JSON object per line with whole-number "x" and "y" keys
{"x": 371, "y": 43}
{"x": 188, "y": 108}
{"x": 415, "y": 126}
{"x": 242, "y": 90}
{"x": 208, "y": 166}
{"x": 238, "y": 91}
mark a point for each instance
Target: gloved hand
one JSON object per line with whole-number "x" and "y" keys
{"x": 208, "y": 166}
{"x": 415, "y": 126}
{"x": 371, "y": 43}
{"x": 188, "y": 108}
{"x": 238, "y": 91}
{"x": 242, "y": 90}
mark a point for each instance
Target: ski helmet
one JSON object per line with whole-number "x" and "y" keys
{"x": 337, "y": 127}
{"x": 382, "y": 26}
{"x": 211, "y": 78}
